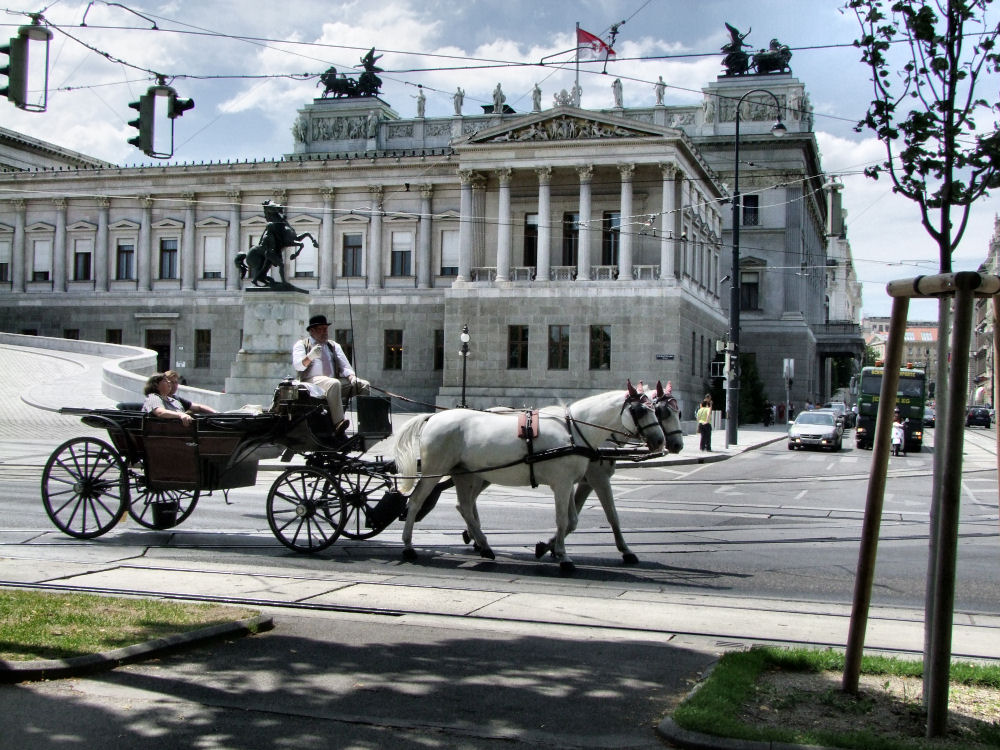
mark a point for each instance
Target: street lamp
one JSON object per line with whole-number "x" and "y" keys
{"x": 465, "y": 338}
{"x": 733, "y": 393}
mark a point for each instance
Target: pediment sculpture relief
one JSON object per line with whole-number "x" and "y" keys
{"x": 566, "y": 128}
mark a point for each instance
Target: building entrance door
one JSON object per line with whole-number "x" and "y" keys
{"x": 158, "y": 339}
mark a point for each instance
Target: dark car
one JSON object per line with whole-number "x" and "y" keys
{"x": 930, "y": 416}
{"x": 978, "y": 415}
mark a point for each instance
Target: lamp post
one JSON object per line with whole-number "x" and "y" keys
{"x": 733, "y": 393}
{"x": 465, "y": 338}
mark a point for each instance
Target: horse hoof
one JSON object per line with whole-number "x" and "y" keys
{"x": 567, "y": 568}
{"x": 466, "y": 536}
{"x": 409, "y": 554}
{"x": 630, "y": 559}
{"x": 540, "y": 549}
{"x": 488, "y": 554}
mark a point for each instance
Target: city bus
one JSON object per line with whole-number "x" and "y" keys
{"x": 911, "y": 395}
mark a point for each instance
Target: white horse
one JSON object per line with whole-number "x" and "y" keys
{"x": 600, "y": 471}
{"x": 476, "y": 448}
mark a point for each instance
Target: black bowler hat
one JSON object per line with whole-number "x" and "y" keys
{"x": 317, "y": 320}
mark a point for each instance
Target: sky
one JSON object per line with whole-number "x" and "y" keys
{"x": 250, "y": 65}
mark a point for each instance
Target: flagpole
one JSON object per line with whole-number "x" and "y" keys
{"x": 577, "y": 86}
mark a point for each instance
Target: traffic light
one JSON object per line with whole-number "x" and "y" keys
{"x": 144, "y": 122}
{"x": 16, "y": 70}
{"x": 177, "y": 107}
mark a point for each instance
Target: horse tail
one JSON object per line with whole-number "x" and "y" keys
{"x": 240, "y": 262}
{"x": 408, "y": 451}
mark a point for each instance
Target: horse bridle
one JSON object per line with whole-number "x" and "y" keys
{"x": 667, "y": 402}
{"x": 636, "y": 405}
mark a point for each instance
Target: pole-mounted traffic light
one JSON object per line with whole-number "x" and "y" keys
{"x": 177, "y": 107}
{"x": 146, "y": 107}
{"x": 18, "y": 72}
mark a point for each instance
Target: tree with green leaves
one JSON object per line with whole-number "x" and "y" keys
{"x": 930, "y": 62}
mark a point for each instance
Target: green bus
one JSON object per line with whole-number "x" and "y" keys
{"x": 911, "y": 395}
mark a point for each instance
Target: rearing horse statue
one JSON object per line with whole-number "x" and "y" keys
{"x": 269, "y": 252}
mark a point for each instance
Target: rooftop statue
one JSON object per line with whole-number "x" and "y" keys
{"x": 258, "y": 261}
{"x": 736, "y": 61}
{"x": 367, "y": 84}
{"x": 774, "y": 59}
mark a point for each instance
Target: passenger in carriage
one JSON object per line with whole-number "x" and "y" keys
{"x": 161, "y": 401}
{"x": 321, "y": 362}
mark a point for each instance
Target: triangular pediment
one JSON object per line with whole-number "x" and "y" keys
{"x": 566, "y": 124}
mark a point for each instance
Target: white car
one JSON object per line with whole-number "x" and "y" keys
{"x": 815, "y": 429}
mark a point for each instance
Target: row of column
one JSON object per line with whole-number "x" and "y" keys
{"x": 472, "y": 227}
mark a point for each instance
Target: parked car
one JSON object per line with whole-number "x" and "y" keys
{"x": 978, "y": 415}
{"x": 815, "y": 429}
{"x": 930, "y": 417}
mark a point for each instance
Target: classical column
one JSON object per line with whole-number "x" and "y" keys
{"x": 18, "y": 256}
{"x": 668, "y": 222}
{"x": 188, "y": 250}
{"x": 586, "y": 231}
{"x": 233, "y": 240}
{"x": 101, "y": 249}
{"x": 544, "y": 261}
{"x": 144, "y": 252}
{"x": 504, "y": 236}
{"x": 375, "y": 238}
{"x": 465, "y": 226}
{"x": 479, "y": 221}
{"x": 424, "y": 238}
{"x": 327, "y": 263}
{"x": 625, "y": 247}
{"x": 59, "y": 249}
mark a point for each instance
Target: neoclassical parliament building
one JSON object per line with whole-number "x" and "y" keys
{"x": 581, "y": 247}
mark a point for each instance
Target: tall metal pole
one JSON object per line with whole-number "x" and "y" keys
{"x": 733, "y": 391}
{"x": 465, "y": 360}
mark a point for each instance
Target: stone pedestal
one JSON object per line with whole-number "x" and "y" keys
{"x": 272, "y": 323}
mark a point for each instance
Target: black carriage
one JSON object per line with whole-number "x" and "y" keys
{"x": 156, "y": 470}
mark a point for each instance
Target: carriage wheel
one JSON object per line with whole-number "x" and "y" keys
{"x": 304, "y": 510}
{"x": 160, "y": 509}
{"x": 360, "y": 493}
{"x": 85, "y": 487}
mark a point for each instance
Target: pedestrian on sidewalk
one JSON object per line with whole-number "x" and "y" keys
{"x": 704, "y": 418}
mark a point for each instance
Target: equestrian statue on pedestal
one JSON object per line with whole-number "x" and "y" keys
{"x": 258, "y": 261}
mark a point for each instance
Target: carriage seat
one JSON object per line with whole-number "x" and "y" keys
{"x": 129, "y": 406}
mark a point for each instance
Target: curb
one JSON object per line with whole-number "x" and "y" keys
{"x": 46, "y": 669}
{"x": 689, "y": 740}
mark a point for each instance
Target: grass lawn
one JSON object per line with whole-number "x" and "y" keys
{"x": 43, "y": 625}
{"x": 794, "y": 695}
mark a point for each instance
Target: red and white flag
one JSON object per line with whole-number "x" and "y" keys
{"x": 591, "y": 46}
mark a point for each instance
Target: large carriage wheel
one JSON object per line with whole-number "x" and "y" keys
{"x": 304, "y": 509}
{"x": 85, "y": 487}
{"x": 160, "y": 509}
{"x": 361, "y": 493}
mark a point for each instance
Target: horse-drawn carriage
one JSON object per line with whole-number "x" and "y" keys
{"x": 156, "y": 470}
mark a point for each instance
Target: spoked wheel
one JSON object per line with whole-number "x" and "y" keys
{"x": 304, "y": 509}
{"x": 361, "y": 492}
{"x": 85, "y": 487}
{"x": 160, "y": 509}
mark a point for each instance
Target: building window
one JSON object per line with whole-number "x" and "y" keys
{"x": 168, "y": 258}
{"x": 345, "y": 337}
{"x": 81, "y": 260}
{"x": 401, "y": 253}
{"x": 751, "y": 210}
{"x": 353, "y": 248}
{"x": 571, "y": 238}
{"x": 600, "y": 347}
{"x": 113, "y": 336}
{"x": 530, "y": 239}
{"x": 42, "y": 260}
{"x": 202, "y": 347}
{"x": 559, "y": 347}
{"x": 449, "y": 252}
{"x": 693, "y": 340}
{"x": 71, "y": 333}
{"x": 392, "y": 357}
{"x": 611, "y": 235}
{"x": 213, "y": 258}
{"x": 4, "y": 260}
{"x": 305, "y": 263}
{"x": 439, "y": 349}
{"x": 749, "y": 290}
{"x": 125, "y": 261}
{"x": 517, "y": 347}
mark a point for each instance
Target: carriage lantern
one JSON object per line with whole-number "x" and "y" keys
{"x": 287, "y": 391}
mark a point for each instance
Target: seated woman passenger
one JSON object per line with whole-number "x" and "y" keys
{"x": 161, "y": 402}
